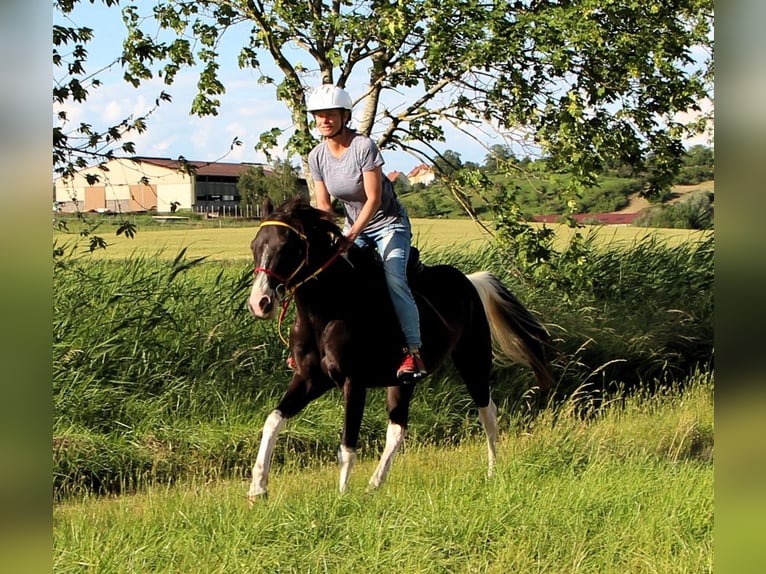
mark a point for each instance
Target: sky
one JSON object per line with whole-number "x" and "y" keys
{"x": 247, "y": 109}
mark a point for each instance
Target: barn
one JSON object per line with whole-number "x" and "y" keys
{"x": 161, "y": 185}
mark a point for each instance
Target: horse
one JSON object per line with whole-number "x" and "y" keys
{"x": 346, "y": 335}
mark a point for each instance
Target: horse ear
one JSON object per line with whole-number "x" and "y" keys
{"x": 267, "y": 207}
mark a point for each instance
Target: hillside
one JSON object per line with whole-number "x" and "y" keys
{"x": 637, "y": 203}
{"x": 540, "y": 197}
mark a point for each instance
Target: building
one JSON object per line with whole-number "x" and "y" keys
{"x": 421, "y": 174}
{"x": 154, "y": 184}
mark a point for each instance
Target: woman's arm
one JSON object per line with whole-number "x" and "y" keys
{"x": 373, "y": 189}
{"x": 324, "y": 201}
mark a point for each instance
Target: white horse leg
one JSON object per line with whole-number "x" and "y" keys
{"x": 394, "y": 438}
{"x": 258, "y": 487}
{"x": 346, "y": 460}
{"x": 488, "y": 418}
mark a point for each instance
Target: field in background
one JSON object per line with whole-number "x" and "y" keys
{"x": 232, "y": 243}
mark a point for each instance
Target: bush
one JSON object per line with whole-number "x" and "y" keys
{"x": 695, "y": 211}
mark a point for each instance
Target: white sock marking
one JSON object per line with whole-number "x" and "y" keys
{"x": 488, "y": 418}
{"x": 346, "y": 460}
{"x": 394, "y": 438}
{"x": 274, "y": 423}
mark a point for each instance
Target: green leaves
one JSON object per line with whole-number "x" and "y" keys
{"x": 586, "y": 83}
{"x": 127, "y": 228}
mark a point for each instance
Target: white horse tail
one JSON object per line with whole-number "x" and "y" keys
{"x": 517, "y": 336}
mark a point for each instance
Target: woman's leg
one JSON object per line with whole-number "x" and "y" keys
{"x": 394, "y": 249}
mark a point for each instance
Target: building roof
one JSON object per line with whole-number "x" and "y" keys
{"x": 203, "y": 167}
{"x": 419, "y": 169}
{"x": 394, "y": 175}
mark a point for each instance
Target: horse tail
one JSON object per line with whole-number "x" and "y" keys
{"x": 517, "y": 336}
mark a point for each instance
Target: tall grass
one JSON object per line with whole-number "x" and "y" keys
{"x": 161, "y": 374}
{"x": 628, "y": 490}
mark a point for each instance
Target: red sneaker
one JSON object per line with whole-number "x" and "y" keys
{"x": 412, "y": 368}
{"x": 291, "y": 364}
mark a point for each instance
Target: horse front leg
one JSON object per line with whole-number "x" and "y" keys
{"x": 398, "y": 406}
{"x": 300, "y": 392}
{"x": 259, "y": 485}
{"x": 354, "y": 397}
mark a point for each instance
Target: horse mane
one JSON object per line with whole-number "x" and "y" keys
{"x": 323, "y": 233}
{"x": 311, "y": 218}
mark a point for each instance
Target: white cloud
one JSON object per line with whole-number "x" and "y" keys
{"x": 112, "y": 112}
{"x": 707, "y": 137}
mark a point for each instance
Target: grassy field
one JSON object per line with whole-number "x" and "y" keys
{"x": 630, "y": 490}
{"x": 162, "y": 381}
{"x": 232, "y": 243}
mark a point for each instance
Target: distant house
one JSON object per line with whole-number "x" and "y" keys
{"x": 154, "y": 184}
{"x": 421, "y": 174}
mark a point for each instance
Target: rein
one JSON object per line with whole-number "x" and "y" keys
{"x": 290, "y": 290}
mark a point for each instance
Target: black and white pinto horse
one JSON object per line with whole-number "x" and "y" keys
{"x": 346, "y": 334}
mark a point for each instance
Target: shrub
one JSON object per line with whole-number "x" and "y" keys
{"x": 695, "y": 211}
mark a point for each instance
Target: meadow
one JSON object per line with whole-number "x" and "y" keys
{"x": 162, "y": 381}
{"x": 230, "y": 243}
{"x": 630, "y": 491}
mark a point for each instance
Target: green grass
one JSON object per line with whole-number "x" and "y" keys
{"x": 160, "y": 373}
{"x": 162, "y": 381}
{"x": 627, "y": 490}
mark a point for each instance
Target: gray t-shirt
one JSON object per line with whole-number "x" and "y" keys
{"x": 343, "y": 178}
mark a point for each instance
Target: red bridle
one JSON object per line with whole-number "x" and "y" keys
{"x": 294, "y": 273}
{"x": 290, "y": 290}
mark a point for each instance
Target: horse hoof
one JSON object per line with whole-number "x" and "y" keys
{"x": 253, "y": 498}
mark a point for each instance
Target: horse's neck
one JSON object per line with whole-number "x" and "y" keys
{"x": 345, "y": 284}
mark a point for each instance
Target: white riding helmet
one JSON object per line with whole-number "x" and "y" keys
{"x": 329, "y": 97}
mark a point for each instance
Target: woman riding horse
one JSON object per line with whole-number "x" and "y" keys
{"x": 347, "y": 343}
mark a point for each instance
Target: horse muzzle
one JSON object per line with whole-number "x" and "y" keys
{"x": 262, "y": 307}
{"x": 263, "y": 303}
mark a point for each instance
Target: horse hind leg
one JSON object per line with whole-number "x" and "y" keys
{"x": 346, "y": 461}
{"x": 488, "y": 418}
{"x": 473, "y": 360}
{"x": 394, "y": 438}
{"x": 397, "y": 404}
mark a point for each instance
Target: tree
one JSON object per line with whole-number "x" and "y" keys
{"x": 499, "y": 156}
{"x": 448, "y": 163}
{"x": 283, "y": 183}
{"x": 402, "y": 185}
{"x": 698, "y": 166}
{"x": 254, "y": 185}
{"x": 252, "y": 188}
{"x": 583, "y": 81}
{"x": 699, "y": 156}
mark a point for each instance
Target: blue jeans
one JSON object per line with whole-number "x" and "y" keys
{"x": 393, "y": 245}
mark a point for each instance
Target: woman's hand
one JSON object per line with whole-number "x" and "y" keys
{"x": 344, "y": 243}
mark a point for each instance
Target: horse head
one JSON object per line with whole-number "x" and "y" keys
{"x": 293, "y": 241}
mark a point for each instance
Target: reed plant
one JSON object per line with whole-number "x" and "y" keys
{"x": 161, "y": 374}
